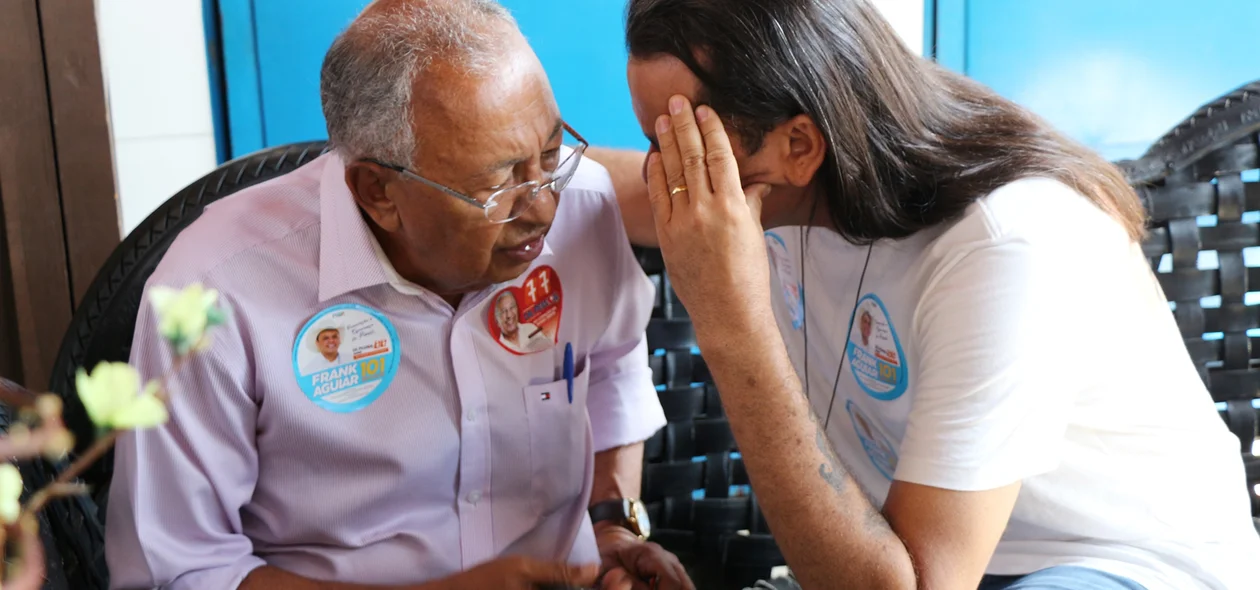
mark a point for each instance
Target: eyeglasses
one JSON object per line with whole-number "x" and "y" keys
{"x": 508, "y": 204}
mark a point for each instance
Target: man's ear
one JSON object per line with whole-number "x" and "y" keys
{"x": 807, "y": 148}
{"x": 369, "y": 183}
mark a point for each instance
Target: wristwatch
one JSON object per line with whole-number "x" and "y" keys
{"x": 627, "y": 512}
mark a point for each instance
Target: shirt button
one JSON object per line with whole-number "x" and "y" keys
{"x": 474, "y": 497}
{"x": 471, "y": 415}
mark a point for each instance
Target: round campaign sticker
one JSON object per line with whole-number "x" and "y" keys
{"x": 875, "y": 355}
{"x": 793, "y": 291}
{"x": 874, "y": 442}
{"x": 526, "y": 319}
{"x": 345, "y": 357}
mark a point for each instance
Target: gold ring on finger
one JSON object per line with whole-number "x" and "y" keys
{"x": 677, "y": 189}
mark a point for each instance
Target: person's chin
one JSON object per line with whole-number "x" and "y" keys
{"x": 506, "y": 269}
{"x": 773, "y": 214}
{"x": 783, "y": 207}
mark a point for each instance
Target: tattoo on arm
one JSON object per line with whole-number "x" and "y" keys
{"x": 834, "y": 473}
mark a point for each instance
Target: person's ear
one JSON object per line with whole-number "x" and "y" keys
{"x": 370, "y": 184}
{"x": 806, "y": 149}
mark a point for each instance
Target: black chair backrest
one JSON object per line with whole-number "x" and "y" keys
{"x": 103, "y": 325}
{"x": 694, "y": 481}
{"x": 101, "y": 330}
{"x": 1201, "y": 187}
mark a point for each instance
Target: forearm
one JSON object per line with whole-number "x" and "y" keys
{"x": 823, "y": 522}
{"x": 626, "y": 169}
{"x": 274, "y": 578}
{"x": 618, "y": 474}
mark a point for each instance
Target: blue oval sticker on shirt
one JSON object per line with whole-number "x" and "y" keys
{"x": 792, "y": 286}
{"x": 345, "y": 357}
{"x": 876, "y": 444}
{"x": 875, "y": 356}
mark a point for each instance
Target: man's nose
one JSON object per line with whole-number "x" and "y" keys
{"x": 543, "y": 209}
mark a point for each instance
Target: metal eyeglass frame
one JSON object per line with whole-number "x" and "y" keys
{"x": 554, "y": 183}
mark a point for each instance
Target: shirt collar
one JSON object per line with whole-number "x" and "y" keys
{"x": 347, "y": 261}
{"x": 394, "y": 279}
{"x": 350, "y": 258}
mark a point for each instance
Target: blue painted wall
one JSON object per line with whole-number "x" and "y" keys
{"x": 273, "y": 50}
{"x": 1115, "y": 74}
{"x": 243, "y": 101}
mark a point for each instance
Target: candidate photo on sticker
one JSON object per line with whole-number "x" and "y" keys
{"x": 865, "y": 321}
{"x": 525, "y": 319}
{"x": 323, "y": 348}
{"x": 871, "y": 324}
{"x": 517, "y": 336}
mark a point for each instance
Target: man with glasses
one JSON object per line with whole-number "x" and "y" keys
{"x": 435, "y": 456}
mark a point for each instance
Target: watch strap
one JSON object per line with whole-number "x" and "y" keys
{"x": 614, "y": 510}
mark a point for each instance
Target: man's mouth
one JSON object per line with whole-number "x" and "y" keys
{"x": 527, "y": 250}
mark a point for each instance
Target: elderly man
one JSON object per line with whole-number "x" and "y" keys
{"x": 433, "y": 456}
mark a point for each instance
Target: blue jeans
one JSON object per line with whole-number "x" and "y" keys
{"x": 1064, "y": 577}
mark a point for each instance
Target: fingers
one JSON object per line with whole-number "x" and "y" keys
{"x": 671, "y": 158}
{"x": 651, "y": 561}
{"x": 720, "y": 159}
{"x": 680, "y": 573}
{"x": 617, "y": 579}
{"x": 690, "y": 147}
{"x": 543, "y": 572}
{"x": 582, "y": 575}
{"x": 754, "y": 194}
{"x": 658, "y": 191}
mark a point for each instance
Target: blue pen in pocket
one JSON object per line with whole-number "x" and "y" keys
{"x": 568, "y": 368}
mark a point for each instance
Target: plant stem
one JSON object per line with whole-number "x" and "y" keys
{"x": 176, "y": 365}
{"x": 4, "y": 553}
{"x": 102, "y": 445}
{"x": 41, "y": 498}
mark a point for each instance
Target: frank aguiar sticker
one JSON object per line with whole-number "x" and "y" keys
{"x": 345, "y": 357}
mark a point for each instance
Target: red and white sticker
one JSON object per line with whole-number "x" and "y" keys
{"x": 525, "y": 319}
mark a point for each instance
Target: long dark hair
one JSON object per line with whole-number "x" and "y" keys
{"x": 910, "y": 144}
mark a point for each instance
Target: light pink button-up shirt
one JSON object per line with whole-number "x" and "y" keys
{"x": 461, "y": 450}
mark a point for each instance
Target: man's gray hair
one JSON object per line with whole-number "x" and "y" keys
{"x": 369, "y": 71}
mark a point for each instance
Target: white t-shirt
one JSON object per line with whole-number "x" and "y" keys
{"x": 1027, "y": 341}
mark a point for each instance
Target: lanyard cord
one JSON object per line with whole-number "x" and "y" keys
{"x": 848, "y": 335}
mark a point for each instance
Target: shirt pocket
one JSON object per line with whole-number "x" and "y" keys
{"x": 559, "y": 449}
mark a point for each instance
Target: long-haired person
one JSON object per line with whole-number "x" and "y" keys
{"x": 1015, "y": 408}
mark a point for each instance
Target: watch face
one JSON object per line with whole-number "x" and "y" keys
{"x": 641, "y": 518}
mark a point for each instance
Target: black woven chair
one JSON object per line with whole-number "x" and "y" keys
{"x": 102, "y": 330}
{"x": 1201, "y": 186}
{"x": 694, "y": 482}
{"x": 69, "y": 559}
